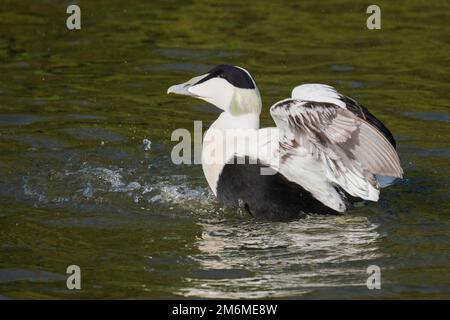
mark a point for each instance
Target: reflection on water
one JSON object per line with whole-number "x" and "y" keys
{"x": 256, "y": 260}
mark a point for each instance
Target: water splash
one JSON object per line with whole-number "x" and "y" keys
{"x": 94, "y": 184}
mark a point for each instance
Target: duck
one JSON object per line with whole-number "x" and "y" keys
{"x": 325, "y": 153}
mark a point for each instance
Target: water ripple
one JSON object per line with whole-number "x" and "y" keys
{"x": 285, "y": 258}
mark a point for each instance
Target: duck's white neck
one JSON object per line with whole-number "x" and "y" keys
{"x": 228, "y": 121}
{"x": 219, "y": 140}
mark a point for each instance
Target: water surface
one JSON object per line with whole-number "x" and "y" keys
{"x": 77, "y": 185}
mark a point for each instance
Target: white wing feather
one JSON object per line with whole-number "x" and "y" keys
{"x": 324, "y": 145}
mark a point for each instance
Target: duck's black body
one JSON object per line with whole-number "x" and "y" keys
{"x": 270, "y": 197}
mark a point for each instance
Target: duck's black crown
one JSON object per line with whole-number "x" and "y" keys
{"x": 234, "y": 75}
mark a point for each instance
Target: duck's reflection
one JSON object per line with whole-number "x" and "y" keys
{"x": 252, "y": 259}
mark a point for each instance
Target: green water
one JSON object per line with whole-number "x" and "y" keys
{"x": 77, "y": 186}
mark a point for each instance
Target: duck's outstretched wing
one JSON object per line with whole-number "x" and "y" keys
{"x": 324, "y": 93}
{"x": 317, "y": 130}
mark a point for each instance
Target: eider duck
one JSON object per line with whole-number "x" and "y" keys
{"x": 326, "y": 152}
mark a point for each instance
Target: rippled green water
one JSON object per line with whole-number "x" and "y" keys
{"x": 77, "y": 186}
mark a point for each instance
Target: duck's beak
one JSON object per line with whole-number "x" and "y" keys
{"x": 184, "y": 88}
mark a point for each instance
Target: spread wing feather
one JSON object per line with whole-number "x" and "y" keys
{"x": 350, "y": 149}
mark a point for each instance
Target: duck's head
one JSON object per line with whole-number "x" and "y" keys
{"x": 228, "y": 87}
